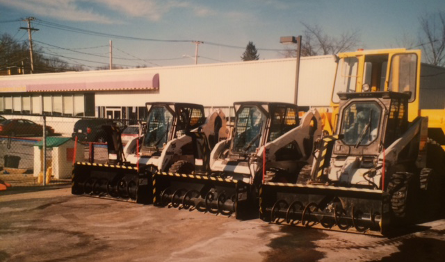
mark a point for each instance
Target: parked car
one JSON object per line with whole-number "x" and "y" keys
{"x": 129, "y": 133}
{"x": 23, "y": 127}
{"x": 2, "y": 119}
{"x": 90, "y": 130}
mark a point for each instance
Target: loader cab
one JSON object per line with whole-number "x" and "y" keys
{"x": 189, "y": 117}
{"x": 370, "y": 121}
{"x": 166, "y": 121}
{"x": 258, "y": 123}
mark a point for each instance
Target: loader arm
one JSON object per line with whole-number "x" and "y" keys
{"x": 418, "y": 130}
{"x": 172, "y": 148}
{"x": 305, "y": 134}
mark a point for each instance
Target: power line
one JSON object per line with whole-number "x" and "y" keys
{"x": 96, "y": 55}
{"x": 212, "y": 59}
{"x": 133, "y": 57}
{"x": 79, "y": 59}
{"x": 95, "y": 33}
{"x": 91, "y": 47}
{"x": 140, "y": 59}
{"x": 68, "y": 49}
{"x": 10, "y": 21}
{"x": 101, "y": 34}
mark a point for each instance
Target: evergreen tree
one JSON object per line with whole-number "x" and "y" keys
{"x": 250, "y": 53}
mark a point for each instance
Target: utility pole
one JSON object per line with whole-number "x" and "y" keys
{"x": 29, "y": 28}
{"x": 196, "y": 50}
{"x": 111, "y": 55}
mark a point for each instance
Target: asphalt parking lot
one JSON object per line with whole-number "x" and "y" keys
{"x": 49, "y": 224}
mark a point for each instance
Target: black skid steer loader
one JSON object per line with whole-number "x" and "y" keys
{"x": 269, "y": 142}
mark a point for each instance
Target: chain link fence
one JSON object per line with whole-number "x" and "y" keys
{"x": 22, "y": 147}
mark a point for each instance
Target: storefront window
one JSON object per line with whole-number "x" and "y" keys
{"x": 68, "y": 105}
{"x": 26, "y": 104}
{"x": 36, "y": 104}
{"x": 17, "y": 104}
{"x": 79, "y": 105}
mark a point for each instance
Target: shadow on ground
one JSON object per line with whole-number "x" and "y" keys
{"x": 419, "y": 249}
{"x": 296, "y": 245}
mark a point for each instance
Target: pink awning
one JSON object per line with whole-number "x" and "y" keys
{"x": 82, "y": 83}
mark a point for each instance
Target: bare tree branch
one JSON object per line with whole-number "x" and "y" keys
{"x": 316, "y": 42}
{"x": 433, "y": 31}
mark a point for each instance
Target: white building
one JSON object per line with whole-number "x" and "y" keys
{"x": 123, "y": 93}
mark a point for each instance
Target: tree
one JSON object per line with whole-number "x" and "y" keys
{"x": 432, "y": 38}
{"x": 16, "y": 55}
{"x": 250, "y": 53}
{"x": 316, "y": 42}
{"x": 12, "y": 53}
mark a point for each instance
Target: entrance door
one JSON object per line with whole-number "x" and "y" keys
{"x": 113, "y": 113}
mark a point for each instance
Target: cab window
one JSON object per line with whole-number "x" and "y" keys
{"x": 403, "y": 73}
{"x": 360, "y": 123}
{"x": 346, "y": 78}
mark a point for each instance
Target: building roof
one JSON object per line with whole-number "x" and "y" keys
{"x": 80, "y": 82}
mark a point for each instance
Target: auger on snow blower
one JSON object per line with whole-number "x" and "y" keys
{"x": 269, "y": 142}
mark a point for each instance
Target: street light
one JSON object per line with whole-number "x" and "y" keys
{"x": 294, "y": 40}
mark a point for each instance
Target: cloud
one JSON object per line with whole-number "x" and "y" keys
{"x": 150, "y": 9}
{"x": 241, "y": 17}
{"x": 60, "y": 9}
{"x": 203, "y": 11}
{"x": 103, "y": 11}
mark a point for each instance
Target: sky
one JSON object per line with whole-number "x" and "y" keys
{"x": 162, "y": 32}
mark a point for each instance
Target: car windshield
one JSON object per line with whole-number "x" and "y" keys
{"x": 360, "y": 123}
{"x": 159, "y": 122}
{"x": 248, "y": 129}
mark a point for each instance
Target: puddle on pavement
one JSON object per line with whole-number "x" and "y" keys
{"x": 296, "y": 245}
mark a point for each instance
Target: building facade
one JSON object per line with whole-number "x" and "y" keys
{"x": 122, "y": 94}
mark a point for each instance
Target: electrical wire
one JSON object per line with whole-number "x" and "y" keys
{"x": 101, "y": 34}
{"x": 68, "y": 49}
{"x": 10, "y": 21}
{"x": 95, "y": 33}
{"x": 135, "y": 57}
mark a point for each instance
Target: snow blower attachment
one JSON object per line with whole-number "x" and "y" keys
{"x": 167, "y": 142}
{"x": 269, "y": 141}
{"x": 366, "y": 178}
{"x": 116, "y": 179}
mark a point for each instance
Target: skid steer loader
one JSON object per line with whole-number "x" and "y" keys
{"x": 269, "y": 142}
{"x": 377, "y": 171}
{"x": 168, "y": 141}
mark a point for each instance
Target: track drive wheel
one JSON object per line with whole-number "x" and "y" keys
{"x": 400, "y": 188}
{"x": 305, "y": 174}
{"x": 182, "y": 167}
